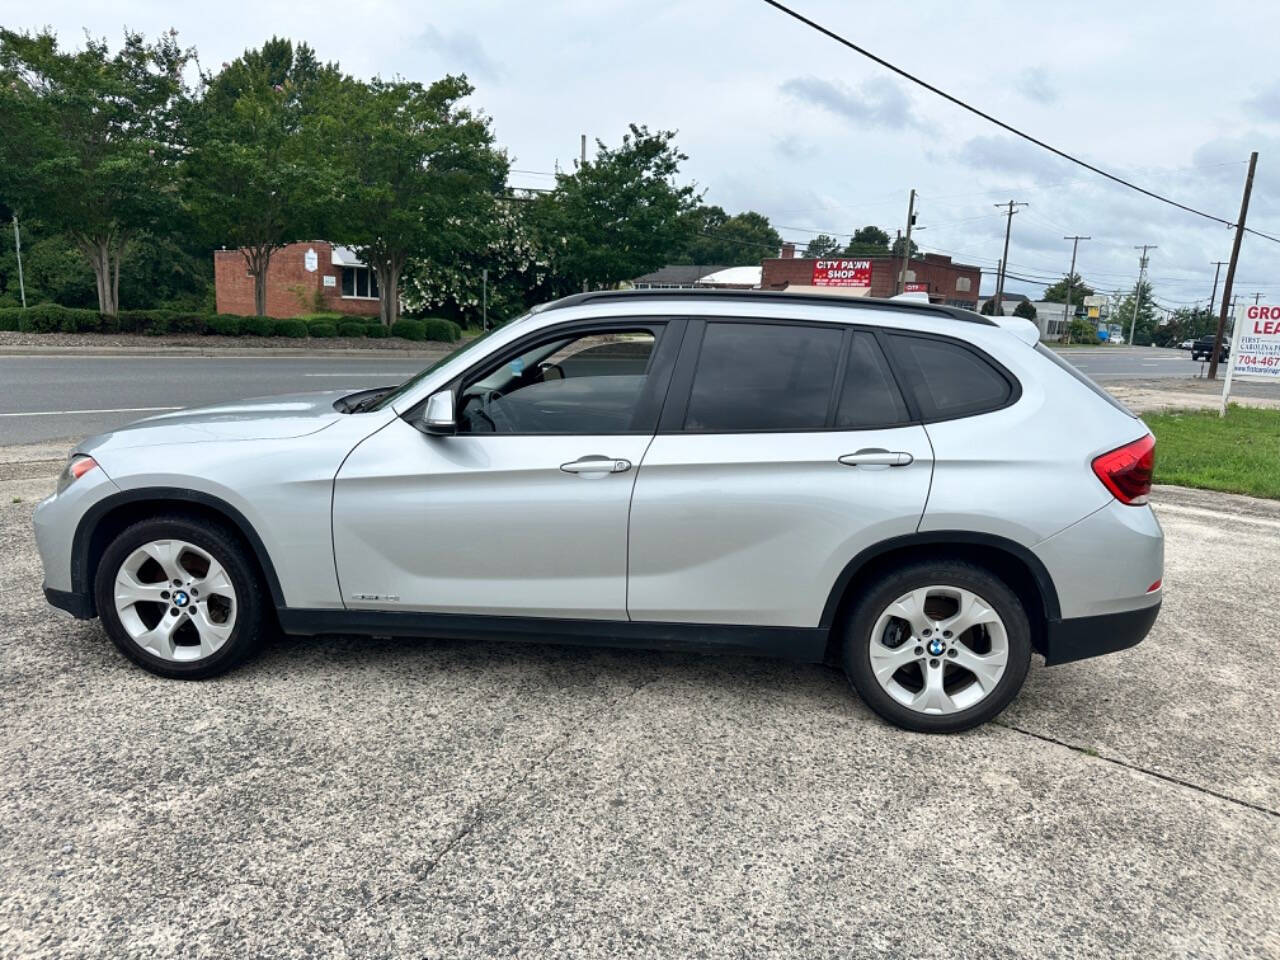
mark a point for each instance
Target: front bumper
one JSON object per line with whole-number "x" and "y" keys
{"x": 1077, "y": 638}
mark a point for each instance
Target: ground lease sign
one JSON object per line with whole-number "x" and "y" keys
{"x": 1255, "y": 349}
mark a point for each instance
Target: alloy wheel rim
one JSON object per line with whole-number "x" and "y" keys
{"x": 939, "y": 649}
{"x": 175, "y": 600}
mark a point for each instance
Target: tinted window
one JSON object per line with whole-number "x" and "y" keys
{"x": 869, "y": 396}
{"x": 755, "y": 376}
{"x": 585, "y": 383}
{"x": 950, "y": 380}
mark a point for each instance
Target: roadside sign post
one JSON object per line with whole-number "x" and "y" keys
{"x": 1255, "y": 348}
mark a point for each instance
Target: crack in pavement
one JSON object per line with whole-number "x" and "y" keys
{"x": 1167, "y": 778}
{"x": 486, "y": 807}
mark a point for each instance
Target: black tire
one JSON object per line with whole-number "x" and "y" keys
{"x": 862, "y": 618}
{"x": 250, "y": 615}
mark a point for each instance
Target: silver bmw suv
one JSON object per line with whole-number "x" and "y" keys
{"x": 917, "y": 493}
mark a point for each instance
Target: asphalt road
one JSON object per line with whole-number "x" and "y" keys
{"x": 48, "y": 397}
{"x": 377, "y": 798}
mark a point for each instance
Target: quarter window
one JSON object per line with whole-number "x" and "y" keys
{"x": 583, "y": 383}
{"x": 949, "y": 380}
{"x": 756, "y": 376}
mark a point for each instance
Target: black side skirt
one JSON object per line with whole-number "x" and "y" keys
{"x": 805, "y": 644}
{"x": 1080, "y": 637}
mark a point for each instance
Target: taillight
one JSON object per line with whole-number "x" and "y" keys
{"x": 1126, "y": 471}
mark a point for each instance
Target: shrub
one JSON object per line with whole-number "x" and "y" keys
{"x": 409, "y": 329}
{"x": 347, "y": 328}
{"x": 322, "y": 329}
{"x": 258, "y": 326}
{"x": 445, "y": 331}
{"x": 289, "y": 328}
{"x": 376, "y": 331}
{"x": 9, "y": 317}
{"x": 51, "y": 318}
{"x": 310, "y": 319}
{"x": 224, "y": 324}
{"x": 1082, "y": 331}
{"x": 187, "y": 321}
{"x": 150, "y": 322}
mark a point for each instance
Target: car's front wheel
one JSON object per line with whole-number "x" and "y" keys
{"x": 180, "y": 597}
{"x": 937, "y": 647}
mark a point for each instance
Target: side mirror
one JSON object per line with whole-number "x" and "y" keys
{"x": 438, "y": 419}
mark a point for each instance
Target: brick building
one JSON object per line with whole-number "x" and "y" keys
{"x": 955, "y": 284}
{"x": 298, "y": 274}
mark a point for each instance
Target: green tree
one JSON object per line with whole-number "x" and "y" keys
{"x": 255, "y": 177}
{"x": 89, "y": 145}
{"x": 1145, "y": 326}
{"x": 870, "y": 241}
{"x": 822, "y": 246}
{"x": 898, "y": 245}
{"x": 616, "y": 216}
{"x": 714, "y": 237}
{"x": 1057, "y": 292}
{"x": 419, "y": 176}
{"x": 1025, "y": 310}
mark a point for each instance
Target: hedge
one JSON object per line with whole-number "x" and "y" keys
{"x": 53, "y": 318}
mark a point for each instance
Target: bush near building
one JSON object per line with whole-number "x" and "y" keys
{"x": 52, "y": 318}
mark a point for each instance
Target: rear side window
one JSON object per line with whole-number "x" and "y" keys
{"x": 948, "y": 379}
{"x": 868, "y": 396}
{"x": 757, "y": 376}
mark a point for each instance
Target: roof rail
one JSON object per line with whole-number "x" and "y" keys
{"x": 775, "y": 296}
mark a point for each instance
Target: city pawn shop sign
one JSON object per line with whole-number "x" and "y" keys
{"x": 842, "y": 273}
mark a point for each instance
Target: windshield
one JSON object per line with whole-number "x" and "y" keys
{"x": 413, "y": 381}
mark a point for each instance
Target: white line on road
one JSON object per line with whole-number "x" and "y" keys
{"x": 363, "y": 373}
{"x": 67, "y": 413}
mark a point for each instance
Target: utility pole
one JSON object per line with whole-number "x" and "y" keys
{"x": 999, "y": 310}
{"x": 1137, "y": 291}
{"x": 1257, "y": 297}
{"x": 582, "y": 162}
{"x": 17, "y": 246}
{"x": 1217, "y": 265}
{"x": 1071, "y": 277}
{"x": 906, "y": 247}
{"x": 1231, "y": 266}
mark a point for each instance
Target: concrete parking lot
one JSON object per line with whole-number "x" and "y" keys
{"x": 378, "y": 798}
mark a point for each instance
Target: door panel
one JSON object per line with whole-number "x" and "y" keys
{"x": 756, "y": 528}
{"x": 485, "y": 523}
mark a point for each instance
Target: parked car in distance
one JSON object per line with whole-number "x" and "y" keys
{"x": 884, "y": 486}
{"x": 1186, "y": 344}
{"x": 1202, "y": 349}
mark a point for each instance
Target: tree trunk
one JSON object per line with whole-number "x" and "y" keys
{"x": 106, "y": 270}
{"x": 257, "y": 260}
{"x": 388, "y": 269}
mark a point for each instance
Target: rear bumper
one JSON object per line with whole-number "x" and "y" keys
{"x": 1077, "y": 638}
{"x": 79, "y": 605}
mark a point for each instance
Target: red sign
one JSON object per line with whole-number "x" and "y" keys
{"x": 842, "y": 273}
{"x": 915, "y": 288}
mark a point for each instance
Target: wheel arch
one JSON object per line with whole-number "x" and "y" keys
{"x": 1017, "y": 566}
{"x": 103, "y": 521}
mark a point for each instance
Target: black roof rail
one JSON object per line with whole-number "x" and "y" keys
{"x": 775, "y": 296}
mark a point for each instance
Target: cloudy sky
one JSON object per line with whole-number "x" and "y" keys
{"x": 777, "y": 118}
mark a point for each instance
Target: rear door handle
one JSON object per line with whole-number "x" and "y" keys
{"x": 875, "y": 456}
{"x": 596, "y": 465}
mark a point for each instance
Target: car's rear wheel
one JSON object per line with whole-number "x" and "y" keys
{"x": 180, "y": 597}
{"x": 937, "y": 647}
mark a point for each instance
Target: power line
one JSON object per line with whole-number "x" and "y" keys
{"x": 1000, "y": 123}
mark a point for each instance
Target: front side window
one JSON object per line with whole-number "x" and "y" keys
{"x": 580, "y": 383}
{"x": 758, "y": 376}
{"x": 949, "y": 379}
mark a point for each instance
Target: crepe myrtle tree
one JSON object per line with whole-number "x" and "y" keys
{"x": 419, "y": 176}
{"x": 255, "y": 174}
{"x": 89, "y": 143}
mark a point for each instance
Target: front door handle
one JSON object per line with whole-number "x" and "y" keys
{"x": 596, "y": 465}
{"x": 875, "y": 456}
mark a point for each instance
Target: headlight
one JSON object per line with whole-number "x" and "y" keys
{"x": 77, "y": 466}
